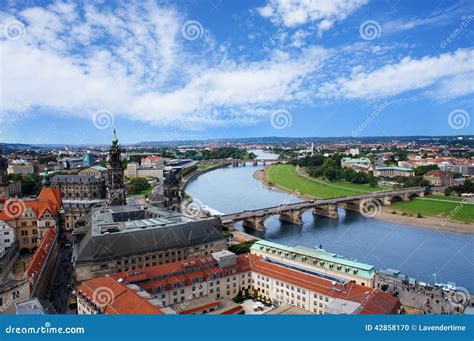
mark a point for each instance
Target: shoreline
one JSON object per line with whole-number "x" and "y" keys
{"x": 430, "y": 222}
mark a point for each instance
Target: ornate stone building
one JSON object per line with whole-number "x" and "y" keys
{"x": 116, "y": 195}
{"x": 79, "y": 187}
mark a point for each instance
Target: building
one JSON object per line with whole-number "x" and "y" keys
{"x": 439, "y": 178}
{"x": 347, "y": 162}
{"x": 152, "y": 161}
{"x": 76, "y": 209}
{"x": 31, "y": 218}
{"x": 122, "y": 238}
{"x": 116, "y": 194}
{"x": 324, "y": 262}
{"x": 7, "y": 237}
{"x": 31, "y": 306}
{"x": 79, "y": 187}
{"x": 134, "y": 170}
{"x": 9, "y": 250}
{"x": 43, "y": 266}
{"x": 22, "y": 169}
{"x": 171, "y": 192}
{"x": 8, "y": 189}
{"x": 201, "y": 285}
{"x": 88, "y": 160}
{"x": 11, "y": 292}
{"x": 392, "y": 172}
{"x": 284, "y": 283}
{"x": 97, "y": 171}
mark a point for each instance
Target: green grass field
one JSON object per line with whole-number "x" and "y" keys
{"x": 287, "y": 176}
{"x": 204, "y": 166}
{"x": 438, "y": 206}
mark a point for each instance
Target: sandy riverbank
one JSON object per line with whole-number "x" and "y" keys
{"x": 436, "y": 223}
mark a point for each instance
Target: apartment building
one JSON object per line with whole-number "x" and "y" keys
{"x": 319, "y": 260}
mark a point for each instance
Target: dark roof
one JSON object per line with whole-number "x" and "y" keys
{"x": 57, "y": 179}
{"x": 170, "y": 179}
{"x": 102, "y": 247}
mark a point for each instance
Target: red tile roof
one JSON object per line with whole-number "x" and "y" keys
{"x": 374, "y": 302}
{"x": 116, "y": 298}
{"x": 184, "y": 271}
{"x": 49, "y": 200}
{"x": 39, "y": 258}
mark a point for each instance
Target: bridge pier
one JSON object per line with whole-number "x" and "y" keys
{"x": 329, "y": 210}
{"x": 351, "y": 206}
{"x": 386, "y": 201}
{"x": 293, "y": 217}
{"x": 255, "y": 223}
{"x": 406, "y": 197}
{"x": 255, "y": 163}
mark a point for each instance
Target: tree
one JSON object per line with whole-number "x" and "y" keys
{"x": 138, "y": 185}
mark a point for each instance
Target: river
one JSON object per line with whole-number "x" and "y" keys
{"x": 416, "y": 252}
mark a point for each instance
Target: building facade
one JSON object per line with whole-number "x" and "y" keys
{"x": 197, "y": 285}
{"x": 319, "y": 260}
{"x": 439, "y": 178}
{"x": 22, "y": 169}
{"x": 79, "y": 187}
{"x": 121, "y": 238}
{"x": 392, "y": 172}
{"x": 32, "y": 218}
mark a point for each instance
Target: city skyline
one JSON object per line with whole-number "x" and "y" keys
{"x": 234, "y": 70}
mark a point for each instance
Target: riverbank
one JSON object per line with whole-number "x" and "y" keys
{"x": 437, "y": 223}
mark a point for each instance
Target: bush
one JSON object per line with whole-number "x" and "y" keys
{"x": 419, "y": 215}
{"x": 242, "y": 247}
{"x": 394, "y": 212}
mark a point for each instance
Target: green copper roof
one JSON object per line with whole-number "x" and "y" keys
{"x": 115, "y": 140}
{"x": 364, "y": 270}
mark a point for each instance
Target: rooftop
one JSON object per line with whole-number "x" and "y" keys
{"x": 367, "y": 271}
{"x": 120, "y": 231}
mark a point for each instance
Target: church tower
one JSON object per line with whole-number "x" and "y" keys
{"x": 115, "y": 185}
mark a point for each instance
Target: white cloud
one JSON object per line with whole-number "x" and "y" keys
{"x": 408, "y": 74}
{"x": 299, "y": 12}
{"x": 135, "y": 63}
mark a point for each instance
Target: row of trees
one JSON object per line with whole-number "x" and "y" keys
{"x": 330, "y": 168}
{"x": 225, "y": 153}
{"x": 466, "y": 187}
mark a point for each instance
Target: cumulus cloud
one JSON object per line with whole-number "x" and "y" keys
{"x": 323, "y": 13}
{"x": 408, "y": 74}
{"x": 135, "y": 62}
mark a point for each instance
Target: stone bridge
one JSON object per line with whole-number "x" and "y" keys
{"x": 366, "y": 204}
{"x": 240, "y": 162}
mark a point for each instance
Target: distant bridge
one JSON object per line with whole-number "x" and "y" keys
{"x": 366, "y": 204}
{"x": 241, "y": 162}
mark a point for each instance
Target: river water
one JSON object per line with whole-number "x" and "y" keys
{"x": 416, "y": 252}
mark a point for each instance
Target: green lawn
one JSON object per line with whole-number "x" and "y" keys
{"x": 288, "y": 177}
{"x": 438, "y": 206}
{"x": 204, "y": 166}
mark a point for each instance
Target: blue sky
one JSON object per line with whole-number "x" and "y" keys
{"x": 176, "y": 70}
